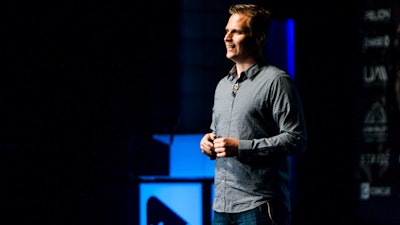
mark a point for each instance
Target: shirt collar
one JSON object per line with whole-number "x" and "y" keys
{"x": 251, "y": 72}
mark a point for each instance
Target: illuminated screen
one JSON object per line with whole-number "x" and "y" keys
{"x": 186, "y": 159}
{"x": 171, "y": 203}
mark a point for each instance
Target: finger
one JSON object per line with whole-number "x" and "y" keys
{"x": 213, "y": 136}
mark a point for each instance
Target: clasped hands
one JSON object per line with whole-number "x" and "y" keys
{"x": 214, "y": 146}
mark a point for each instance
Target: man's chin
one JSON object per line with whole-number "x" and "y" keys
{"x": 229, "y": 56}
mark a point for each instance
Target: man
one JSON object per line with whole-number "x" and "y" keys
{"x": 257, "y": 124}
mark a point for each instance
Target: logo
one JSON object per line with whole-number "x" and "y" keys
{"x": 365, "y": 191}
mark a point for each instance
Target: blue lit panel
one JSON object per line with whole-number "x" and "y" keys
{"x": 172, "y": 203}
{"x": 186, "y": 159}
{"x": 290, "y": 46}
{"x": 281, "y": 45}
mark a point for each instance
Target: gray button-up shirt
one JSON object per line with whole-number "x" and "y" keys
{"x": 266, "y": 115}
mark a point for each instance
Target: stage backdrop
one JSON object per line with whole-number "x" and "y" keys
{"x": 376, "y": 114}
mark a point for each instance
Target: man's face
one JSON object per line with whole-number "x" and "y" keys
{"x": 240, "y": 46}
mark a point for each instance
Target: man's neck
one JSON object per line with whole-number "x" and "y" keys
{"x": 240, "y": 67}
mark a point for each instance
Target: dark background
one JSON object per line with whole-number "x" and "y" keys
{"x": 84, "y": 85}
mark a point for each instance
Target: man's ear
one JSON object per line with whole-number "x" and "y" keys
{"x": 260, "y": 38}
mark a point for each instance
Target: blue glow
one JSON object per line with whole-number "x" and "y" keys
{"x": 290, "y": 46}
{"x": 291, "y": 71}
{"x": 184, "y": 199}
{"x": 186, "y": 159}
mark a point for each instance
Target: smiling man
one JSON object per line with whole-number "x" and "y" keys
{"x": 257, "y": 125}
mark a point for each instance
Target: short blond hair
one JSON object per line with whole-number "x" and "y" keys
{"x": 260, "y": 18}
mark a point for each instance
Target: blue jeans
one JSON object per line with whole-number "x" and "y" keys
{"x": 267, "y": 214}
